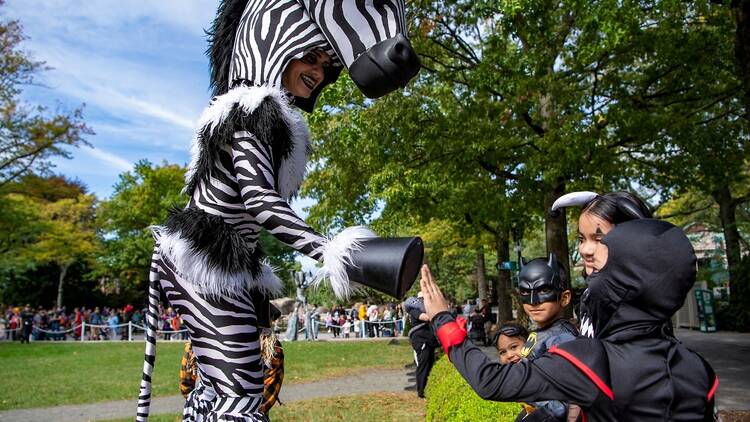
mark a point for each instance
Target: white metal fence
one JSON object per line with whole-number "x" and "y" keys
{"x": 99, "y": 331}
{"x": 103, "y": 332}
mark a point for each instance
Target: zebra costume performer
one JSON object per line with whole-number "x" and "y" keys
{"x": 249, "y": 157}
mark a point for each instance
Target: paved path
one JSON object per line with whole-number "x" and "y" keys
{"x": 368, "y": 382}
{"x": 729, "y": 355}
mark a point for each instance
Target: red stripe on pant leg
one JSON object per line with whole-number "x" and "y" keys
{"x": 712, "y": 391}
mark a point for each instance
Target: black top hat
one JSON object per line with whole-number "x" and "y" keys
{"x": 388, "y": 265}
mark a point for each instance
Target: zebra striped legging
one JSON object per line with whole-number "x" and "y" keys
{"x": 225, "y": 340}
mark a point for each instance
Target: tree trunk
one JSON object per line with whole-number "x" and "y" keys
{"x": 60, "y": 284}
{"x": 481, "y": 274}
{"x": 556, "y": 228}
{"x": 742, "y": 48}
{"x": 504, "y": 288}
{"x": 727, "y": 215}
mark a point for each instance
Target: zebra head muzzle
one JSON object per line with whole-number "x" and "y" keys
{"x": 253, "y": 41}
{"x": 369, "y": 38}
{"x": 385, "y": 67}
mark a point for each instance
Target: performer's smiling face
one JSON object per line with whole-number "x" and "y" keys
{"x": 591, "y": 230}
{"x": 302, "y": 76}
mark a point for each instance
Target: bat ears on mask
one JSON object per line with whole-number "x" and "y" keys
{"x": 552, "y": 262}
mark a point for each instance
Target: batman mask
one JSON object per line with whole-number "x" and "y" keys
{"x": 539, "y": 281}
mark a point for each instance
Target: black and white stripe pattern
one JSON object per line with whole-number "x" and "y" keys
{"x": 272, "y": 32}
{"x": 244, "y": 185}
{"x": 250, "y": 154}
{"x": 248, "y": 186}
{"x": 353, "y": 26}
{"x": 226, "y": 343}
{"x": 144, "y": 397}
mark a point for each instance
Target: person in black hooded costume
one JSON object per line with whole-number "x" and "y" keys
{"x": 632, "y": 369}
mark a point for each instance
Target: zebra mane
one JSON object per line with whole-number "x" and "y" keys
{"x": 221, "y": 41}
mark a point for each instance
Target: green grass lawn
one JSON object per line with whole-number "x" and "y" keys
{"x": 50, "y": 374}
{"x": 378, "y": 407}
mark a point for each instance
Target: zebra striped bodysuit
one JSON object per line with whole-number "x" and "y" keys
{"x": 249, "y": 158}
{"x": 207, "y": 257}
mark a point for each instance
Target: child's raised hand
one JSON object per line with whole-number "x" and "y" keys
{"x": 434, "y": 302}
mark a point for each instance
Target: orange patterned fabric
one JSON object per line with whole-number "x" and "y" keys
{"x": 188, "y": 371}
{"x": 274, "y": 377}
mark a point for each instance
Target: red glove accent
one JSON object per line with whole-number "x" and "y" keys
{"x": 451, "y": 334}
{"x": 462, "y": 322}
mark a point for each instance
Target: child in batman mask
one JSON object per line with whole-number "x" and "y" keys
{"x": 544, "y": 298}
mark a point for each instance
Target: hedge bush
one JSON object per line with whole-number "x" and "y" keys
{"x": 449, "y": 398}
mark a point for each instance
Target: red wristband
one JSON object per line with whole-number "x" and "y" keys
{"x": 450, "y": 334}
{"x": 462, "y": 322}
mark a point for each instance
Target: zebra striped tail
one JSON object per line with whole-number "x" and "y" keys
{"x": 144, "y": 397}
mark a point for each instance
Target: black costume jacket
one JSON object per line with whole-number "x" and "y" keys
{"x": 634, "y": 369}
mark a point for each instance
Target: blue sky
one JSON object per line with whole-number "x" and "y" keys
{"x": 139, "y": 69}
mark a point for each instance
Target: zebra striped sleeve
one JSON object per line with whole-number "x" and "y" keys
{"x": 253, "y": 165}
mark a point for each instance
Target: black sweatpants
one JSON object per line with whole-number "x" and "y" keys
{"x": 424, "y": 344}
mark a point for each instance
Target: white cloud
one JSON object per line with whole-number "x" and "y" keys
{"x": 139, "y": 67}
{"x": 135, "y": 64}
{"x": 113, "y": 160}
{"x": 122, "y": 86}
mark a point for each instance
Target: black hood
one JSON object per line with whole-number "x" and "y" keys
{"x": 649, "y": 272}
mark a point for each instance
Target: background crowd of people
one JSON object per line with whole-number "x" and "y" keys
{"x": 106, "y": 323}
{"x": 360, "y": 320}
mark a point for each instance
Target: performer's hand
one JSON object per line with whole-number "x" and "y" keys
{"x": 434, "y": 302}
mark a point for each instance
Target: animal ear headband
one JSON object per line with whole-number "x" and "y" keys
{"x": 583, "y": 198}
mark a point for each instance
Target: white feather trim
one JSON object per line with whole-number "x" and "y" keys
{"x": 194, "y": 267}
{"x": 337, "y": 254}
{"x": 249, "y": 98}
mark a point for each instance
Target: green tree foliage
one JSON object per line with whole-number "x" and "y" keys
{"x": 29, "y": 135}
{"x": 520, "y": 101}
{"x": 69, "y": 236}
{"x": 49, "y": 230}
{"x": 142, "y": 198}
{"x": 281, "y": 258}
{"x": 20, "y": 225}
{"x": 687, "y": 111}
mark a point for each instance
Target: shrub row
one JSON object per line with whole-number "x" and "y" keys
{"x": 449, "y": 398}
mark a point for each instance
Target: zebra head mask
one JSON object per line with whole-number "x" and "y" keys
{"x": 252, "y": 42}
